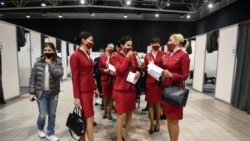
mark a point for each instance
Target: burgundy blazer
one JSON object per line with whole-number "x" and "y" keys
{"x": 123, "y": 66}
{"x": 157, "y": 61}
{"x": 102, "y": 66}
{"x": 82, "y": 73}
{"x": 178, "y": 64}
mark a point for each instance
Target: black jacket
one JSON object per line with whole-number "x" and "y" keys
{"x": 37, "y": 77}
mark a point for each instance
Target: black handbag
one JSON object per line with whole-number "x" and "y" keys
{"x": 175, "y": 95}
{"x": 76, "y": 122}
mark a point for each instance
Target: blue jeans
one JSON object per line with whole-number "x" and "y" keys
{"x": 47, "y": 105}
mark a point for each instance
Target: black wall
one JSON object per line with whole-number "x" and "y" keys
{"x": 236, "y": 12}
{"x": 105, "y": 31}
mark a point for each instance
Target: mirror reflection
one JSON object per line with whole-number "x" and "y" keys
{"x": 211, "y": 58}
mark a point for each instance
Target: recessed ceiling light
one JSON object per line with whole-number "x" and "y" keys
{"x": 168, "y": 4}
{"x": 188, "y": 16}
{"x": 128, "y": 2}
{"x": 92, "y": 14}
{"x": 2, "y": 3}
{"x": 82, "y": 1}
{"x": 43, "y": 4}
{"x": 138, "y": 15}
{"x": 125, "y": 16}
{"x": 28, "y": 16}
{"x": 210, "y": 5}
{"x": 44, "y": 14}
{"x": 60, "y": 16}
{"x": 156, "y": 15}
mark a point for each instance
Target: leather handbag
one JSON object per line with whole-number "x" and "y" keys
{"x": 175, "y": 95}
{"x": 76, "y": 122}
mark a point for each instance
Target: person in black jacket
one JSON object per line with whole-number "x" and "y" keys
{"x": 98, "y": 73}
{"x": 44, "y": 86}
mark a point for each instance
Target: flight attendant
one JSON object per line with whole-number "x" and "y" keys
{"x": 176, "y": 65}
{"x": 154, "y": 88}
{"x": 107, "y": 83}
{"x": 124, "y": 92}
{"x": 83, "y": 80}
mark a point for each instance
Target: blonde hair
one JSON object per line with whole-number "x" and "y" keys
{"x": 179, "y": 37}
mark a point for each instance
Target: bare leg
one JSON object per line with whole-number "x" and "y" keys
{"x": 89, "y": 129}
{"x": 105, "y": 101}
{"x": 127, "y": 124}
{"x": 119, "y": 125}
{"x": 110, "y": 103}
{"x": 151, "y": 117}
{"x": 173, "y": 129}
{"x": 82, "y": 137}
{"x": 158, "y": 115}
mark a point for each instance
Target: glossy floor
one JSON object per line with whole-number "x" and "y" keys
{"x": 205, "y": 119}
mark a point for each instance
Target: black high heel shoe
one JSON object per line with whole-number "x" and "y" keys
{"x": 109, "y": 116}
{"x": 123, "y": 139}
{"x": 157, "y": 130}
{"x": 151, "y": 130}
{"x": 104, "y": 116}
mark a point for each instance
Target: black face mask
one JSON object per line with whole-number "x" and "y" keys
{"x": 48, "y": 55}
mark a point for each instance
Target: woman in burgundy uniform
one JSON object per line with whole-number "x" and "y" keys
{"x": 107, "y": 83}
{"x": 83, "y": 80}
{"x": 124, "y": 92}
{"x": 154, "y": 88}
{"x": 176, "y": 65}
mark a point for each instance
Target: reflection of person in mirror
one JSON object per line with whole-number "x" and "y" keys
{"x": 154, "y": 89}
{"x": 97, "y": 74}
{"x": 176, "y": 63}
{"x": 44, "y": 86}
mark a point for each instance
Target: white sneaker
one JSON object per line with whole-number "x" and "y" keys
{"x": 41, "y": 133}
{"x": 52, "y": 138}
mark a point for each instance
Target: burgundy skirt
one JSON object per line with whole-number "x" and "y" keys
{"x": 107, "y": 88}
{"x": 124, "y": 101}
{"x": 173, "y": 112}
{"x": 87, "y": 104}
{"x": 153, "y": 93}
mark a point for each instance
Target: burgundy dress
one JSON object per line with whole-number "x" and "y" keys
{"x": 154, "y": 88}
{"x": 83, "y": 80}
{"x": 106, "y": 77}
{"x": 124, "y": 92}
{"x": 178, "y": 65}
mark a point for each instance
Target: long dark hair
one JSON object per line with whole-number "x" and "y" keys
{"x": 83, "y": 35}
{"x": 52, "y": 46}
{"x": 124, "y": 39}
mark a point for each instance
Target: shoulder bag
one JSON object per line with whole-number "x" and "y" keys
{"x": 175, "y": 95}
{"x": 76, "y": 122}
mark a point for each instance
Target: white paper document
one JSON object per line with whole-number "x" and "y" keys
{"x": 131, "y": 78}
{"x": 111, "y": 67}
{"x": 98, "y": 100}
{"x": 153, "y": 74}
{"x": 154, "y": 71}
